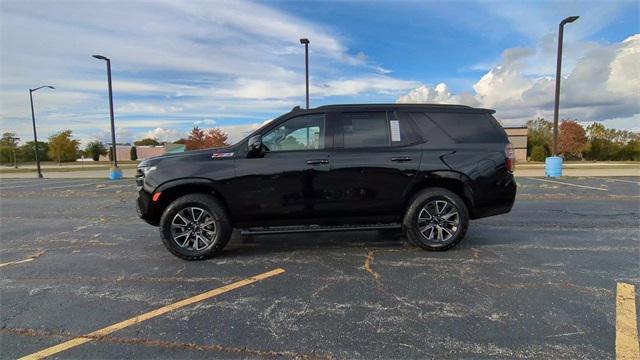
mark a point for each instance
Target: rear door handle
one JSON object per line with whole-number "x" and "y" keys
{"x": 317, "y": 162}
{"x": 401, "y": 158}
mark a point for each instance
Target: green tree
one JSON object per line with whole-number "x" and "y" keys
{"x": 62, "y": 147}
{"x": 133, "y": 153}
{"x": 146, "y": 142}
{"x": 94, "y": 149}
{"x": 538, "y": 153}
{"x": 27, "y": 151}
{"x": 540, "y": 134}
{"x": 8, "y": 147}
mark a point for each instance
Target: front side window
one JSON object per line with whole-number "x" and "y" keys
{"x": 366, "y": 129}
{"x": 300, "y": 133}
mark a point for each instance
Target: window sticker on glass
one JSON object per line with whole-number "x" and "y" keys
{"x": 395, "y": 130}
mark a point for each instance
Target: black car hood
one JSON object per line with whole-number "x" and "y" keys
{"x": 191, "y": 153}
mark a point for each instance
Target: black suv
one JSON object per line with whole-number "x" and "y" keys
{"x": 427, "y": 169}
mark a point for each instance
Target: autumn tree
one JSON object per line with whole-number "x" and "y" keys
{"x": 62, "y": 147}
{"x": 572, "y": 139}
{"x": 205, "y": 139}
{"x": 217, "y": 138}
{"x": 146, "y": 142}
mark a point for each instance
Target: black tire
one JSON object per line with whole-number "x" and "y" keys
{"x": 426, "y": 199}
{"x": 183, "y": 205}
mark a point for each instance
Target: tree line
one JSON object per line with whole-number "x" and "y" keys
{"x": 575, "y": 142}
{"x": 62, "y": 147}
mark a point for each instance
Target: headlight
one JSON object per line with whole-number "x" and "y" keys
{"x": 146, "y": 170}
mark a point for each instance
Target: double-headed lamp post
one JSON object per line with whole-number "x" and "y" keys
{"x": 35, "y": 133}
{"x": 115, "y": 173}
{"x": 306, "y": 65}
{"x": 556, "y": 107}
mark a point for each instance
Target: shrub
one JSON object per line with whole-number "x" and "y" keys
{"x": 538, "y": 153}
{"x": 134, "y": 153}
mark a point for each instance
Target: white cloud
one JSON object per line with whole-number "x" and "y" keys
{"x": 179, "y": 61}
{"x": 165, "y": 135}
{"x": 604, "y": 84}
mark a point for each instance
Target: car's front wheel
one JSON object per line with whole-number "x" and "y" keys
{"x": 195, "y": 227}
{"x": 437, "y": 219}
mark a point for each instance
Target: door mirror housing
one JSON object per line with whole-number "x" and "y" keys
{"x": 254, "y": 146}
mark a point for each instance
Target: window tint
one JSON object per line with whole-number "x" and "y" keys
{"x": 468, "y": 127}
{"x": 300, "y": 133}
{"x": 368, "y": 129}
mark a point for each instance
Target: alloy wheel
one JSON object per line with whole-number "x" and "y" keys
{"x": 193, "y": 228}
{"x": 438, "y": 220}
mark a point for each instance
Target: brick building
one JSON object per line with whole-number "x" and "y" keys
{"x": 123, "y": 152}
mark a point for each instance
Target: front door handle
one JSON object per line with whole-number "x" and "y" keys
{"x": 317, "y": 162}
{"x": 401, "y": 158}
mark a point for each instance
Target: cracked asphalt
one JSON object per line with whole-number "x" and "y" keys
{"x": 539, "y": 282}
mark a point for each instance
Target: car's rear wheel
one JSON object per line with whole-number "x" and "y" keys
{"x": 437, "y": 219}
{"x": 195, "y": 227}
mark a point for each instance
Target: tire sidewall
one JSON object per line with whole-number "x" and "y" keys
{"x": 423, "y": 198}
{"x": 206, "y": 202}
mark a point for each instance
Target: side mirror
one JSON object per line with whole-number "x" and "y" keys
{"x": 255, "y": 145}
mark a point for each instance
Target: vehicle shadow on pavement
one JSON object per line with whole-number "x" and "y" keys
{"x": 249, "y": 245}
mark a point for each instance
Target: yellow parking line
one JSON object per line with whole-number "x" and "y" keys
{"x": 30, "y": 258}
{"x": 15, "y": 262}
{"x": 627, "y": 346}
{"x": 151, "y": 314}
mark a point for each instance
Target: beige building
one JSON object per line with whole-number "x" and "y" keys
{"x": 518, "y": 138}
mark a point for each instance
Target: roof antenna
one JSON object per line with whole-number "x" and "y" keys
{"x": 296, "y": 108}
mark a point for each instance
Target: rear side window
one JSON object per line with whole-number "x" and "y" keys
{"x": 403, "y": 130}
{"x": 367, "y": 129}
{"x": 469, "y": 128}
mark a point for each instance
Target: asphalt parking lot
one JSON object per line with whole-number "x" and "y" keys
{"x": 539, "y": 282}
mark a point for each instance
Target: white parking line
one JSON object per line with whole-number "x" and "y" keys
{"x": 43, "y": 183}
{"x": 568, "y": 184}
{"x": 610, "y": 179}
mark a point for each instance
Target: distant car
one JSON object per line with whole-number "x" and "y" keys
{"x": 426, "y": 169}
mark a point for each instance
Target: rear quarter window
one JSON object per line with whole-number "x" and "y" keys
{"x": 469, "y": 127}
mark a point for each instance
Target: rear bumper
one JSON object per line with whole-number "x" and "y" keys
{"x": 146, "y": 210}
{"x": 503, "y": 195}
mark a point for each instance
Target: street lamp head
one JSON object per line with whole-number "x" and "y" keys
{"x": 304, "y": 41}
{"x": 570, "y": 19}
{"x": 44, "y": 86}
{"x": 101, "y": 57}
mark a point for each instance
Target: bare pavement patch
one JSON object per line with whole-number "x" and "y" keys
{"x": 540, "y": 282}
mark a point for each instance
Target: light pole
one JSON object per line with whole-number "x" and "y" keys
{"x": 115, "y": 173}
{"x": 306, "y": 65}
{"x": 570, "y": 19}
{"x": 35, "y": 133}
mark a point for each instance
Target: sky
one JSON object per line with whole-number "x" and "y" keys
{"x": 236, "y": 64}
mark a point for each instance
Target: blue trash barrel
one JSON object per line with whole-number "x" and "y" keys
{"x": 115, "y": 173}
{"x": 553, "y": 166}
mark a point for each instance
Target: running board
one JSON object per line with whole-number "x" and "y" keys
{"x": 314, "y": 228}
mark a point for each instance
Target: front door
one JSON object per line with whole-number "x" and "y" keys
{"x": 286, "y": 183}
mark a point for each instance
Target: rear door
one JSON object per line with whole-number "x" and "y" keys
{"x": 374, "y": 163}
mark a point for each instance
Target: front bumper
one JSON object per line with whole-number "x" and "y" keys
{"x": 146, "y": 209}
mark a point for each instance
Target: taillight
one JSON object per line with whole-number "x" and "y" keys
{"x": 510, "y": 159}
